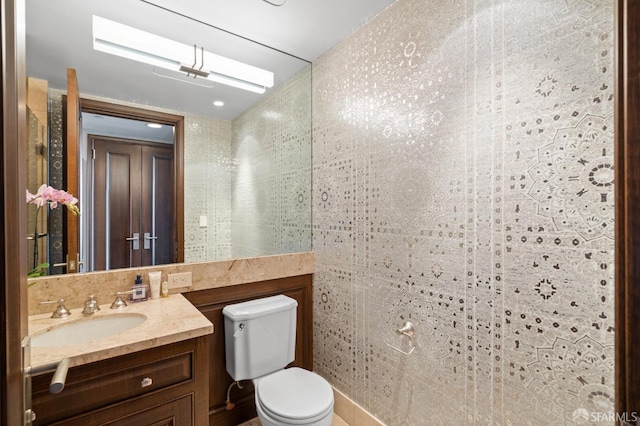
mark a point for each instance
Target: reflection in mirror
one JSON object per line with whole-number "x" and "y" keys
{"x": 247, "y": 165}
{"x": 106, "y": 146}
{"x": 37, "y": 172}
{"x": 130, "y": 165}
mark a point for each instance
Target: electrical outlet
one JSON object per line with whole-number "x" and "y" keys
{"x": 180, "y": 280}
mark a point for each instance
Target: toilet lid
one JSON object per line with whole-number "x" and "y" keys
{"x": 295, "y": 394}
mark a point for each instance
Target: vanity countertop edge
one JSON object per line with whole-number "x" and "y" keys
{"x": 169, "y": 320}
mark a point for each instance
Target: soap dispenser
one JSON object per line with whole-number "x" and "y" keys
{"x": 139, "y": 290}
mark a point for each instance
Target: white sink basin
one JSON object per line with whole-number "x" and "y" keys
{"x": 87, "y": 329}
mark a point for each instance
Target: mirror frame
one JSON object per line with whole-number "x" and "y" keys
{"x": 627, "y": 204}
{"x": 92, "y": 106}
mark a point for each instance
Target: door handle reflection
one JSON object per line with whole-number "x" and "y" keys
{"x": 147, "y": 240}
{"x": 69, "y": 265}
{"x": 136, "y": 240}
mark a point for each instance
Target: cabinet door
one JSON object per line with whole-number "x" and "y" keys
{"x": 115, "y": 389}
{"x": 173, "y": 413}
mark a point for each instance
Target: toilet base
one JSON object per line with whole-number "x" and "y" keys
{"x": 314, "y": 407}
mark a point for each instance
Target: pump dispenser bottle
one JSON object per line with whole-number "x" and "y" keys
{"x": 139, "y": 290}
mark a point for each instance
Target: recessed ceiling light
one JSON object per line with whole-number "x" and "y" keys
{"x": 154, "y": 125}
{"x": 218, "y": 103}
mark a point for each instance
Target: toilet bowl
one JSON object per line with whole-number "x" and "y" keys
{"x": 294, "y": 397}
{"x": 260, "y": 338}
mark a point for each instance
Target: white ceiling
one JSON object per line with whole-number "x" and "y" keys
{"x": 59, "y": 36}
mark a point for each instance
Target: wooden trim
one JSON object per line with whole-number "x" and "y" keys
{"x": 72, "y": 170}
{"x": 627, "y": 206}
{"x": 201, "y": 389}
{"x": 124, "y": 111}
{"x": 13, "y": 234}
{"x": 178, "y": 189}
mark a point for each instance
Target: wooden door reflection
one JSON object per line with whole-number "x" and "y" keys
{"x": 133, "y": 212}
{"x": 72, "y": 169}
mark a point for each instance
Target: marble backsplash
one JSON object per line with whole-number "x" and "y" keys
{"x": 75, "y": 288}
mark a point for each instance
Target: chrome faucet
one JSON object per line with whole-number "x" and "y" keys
{"x": 119, "y": 303}
{"x": 91, "y": 306}
{"x": 61, "y": 311}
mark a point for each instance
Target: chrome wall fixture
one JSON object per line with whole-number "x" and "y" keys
{"x": 407, "y": 330}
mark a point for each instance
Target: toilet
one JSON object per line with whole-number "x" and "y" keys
{"x": 260, "y": 341}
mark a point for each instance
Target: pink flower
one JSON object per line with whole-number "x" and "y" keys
{"x": 30, "y": 197}
{"x": 49, "y": 195}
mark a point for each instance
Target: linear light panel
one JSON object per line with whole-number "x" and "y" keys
{"x": 131, "y": 43}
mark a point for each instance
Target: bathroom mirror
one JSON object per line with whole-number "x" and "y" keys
{"x": 247, "y": 164}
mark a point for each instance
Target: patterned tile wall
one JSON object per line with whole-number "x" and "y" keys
{"x": 207, "y": 188}
{"x": 272, "y": 183}
{"x": 56, "y": 178}
{"x": 463, "y": 180}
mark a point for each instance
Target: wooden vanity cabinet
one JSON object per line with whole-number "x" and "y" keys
{"x": 210, "y": 302}
{"x": 167, "y": 385}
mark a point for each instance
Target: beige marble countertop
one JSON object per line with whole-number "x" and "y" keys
{"x": 169, "y": 320}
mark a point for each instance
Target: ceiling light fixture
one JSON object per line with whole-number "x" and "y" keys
{"x": 218, "y": 103}
{"x": 132, "y": 43}
{"x": 154, "y": 125}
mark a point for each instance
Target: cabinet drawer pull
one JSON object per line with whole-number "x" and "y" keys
{"x": 147, "y": 381}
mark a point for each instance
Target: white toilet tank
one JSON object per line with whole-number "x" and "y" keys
{"x": 260, "y": 336}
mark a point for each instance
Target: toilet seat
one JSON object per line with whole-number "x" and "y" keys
{"x": 294, "y": 396}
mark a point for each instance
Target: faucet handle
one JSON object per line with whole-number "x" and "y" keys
{"x": 119, "y": 303}
{"x": 91, "y": 305}
{"x": 61, "y": 311}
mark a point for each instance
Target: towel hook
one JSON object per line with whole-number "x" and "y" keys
{"x": 408, "y": 330}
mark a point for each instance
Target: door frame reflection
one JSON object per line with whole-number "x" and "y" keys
{"x": 177, "y": 121}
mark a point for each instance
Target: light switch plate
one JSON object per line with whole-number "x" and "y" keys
{"x": 203, "y": 221}
{"x": 180, "y": 280}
